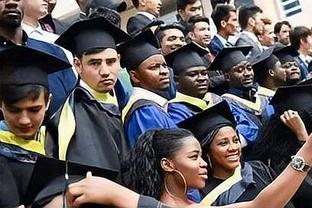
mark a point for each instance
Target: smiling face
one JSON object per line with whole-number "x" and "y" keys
{"x": 201, "y": 33}
{"x": 225, "y": 152}
{"x": 99, "y": 70}
{"x": 189, "y": 162}
{"x": 172, "y": 39}
{"x": 25, "y": 117}
{"x": 292, "y": 70}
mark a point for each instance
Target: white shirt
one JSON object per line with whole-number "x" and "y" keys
{"x": 39, "y": 34}
{"x": 148, "y": 15}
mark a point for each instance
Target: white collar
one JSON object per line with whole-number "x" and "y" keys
{"x": 147, "y": 14}
{"x": 149, "y": 95}
{"x": 222, "y": 39}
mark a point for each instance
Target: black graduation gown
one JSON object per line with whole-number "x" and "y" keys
{"x": 98, "y": 139}
{"x": 14, "y": 180}
{"x": 255, "y": 177}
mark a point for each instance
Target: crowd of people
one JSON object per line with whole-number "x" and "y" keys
{"x": 160, "y": 115}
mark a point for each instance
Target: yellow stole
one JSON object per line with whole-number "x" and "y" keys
{"x": 36, "y": 146}
{"x": 224, "y": 186}
{"x": 67, "y": 123}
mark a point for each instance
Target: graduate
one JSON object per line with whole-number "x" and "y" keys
{"x": 229, "y": 180}
{"x": 191, "y": 77}
{"x": 276, "y": 142}
{"x": 149, "y": 75}
{"x": 248, "y": 101}
{"x": 87, "y": 129}
{"x": 24, "y": 97}
{"x": 287, "y": 56}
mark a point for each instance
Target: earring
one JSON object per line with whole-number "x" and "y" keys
{"x": 184, "y": 183}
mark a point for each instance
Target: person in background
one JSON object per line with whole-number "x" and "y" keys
{"x": 50, "y": 24}
{"x": 34, "y": 10}
{"x": 301, "y": 40}
{"x": 287, "y": 56}
{"x": 148, "y": 12}
{"x": 225, "y": 18}
{"x": 187, "y": 9}
{"x": 266, "y": 38}
{"x": 250, "y": 20}
{"x": 281, "y": 31}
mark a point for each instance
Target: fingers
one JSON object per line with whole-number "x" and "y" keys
{"x": 287, "y": 115}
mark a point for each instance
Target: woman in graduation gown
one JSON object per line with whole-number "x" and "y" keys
{"x": 277, "y": 194}
{"x": 229, "y": 180}
{"x": 24, "y": 97}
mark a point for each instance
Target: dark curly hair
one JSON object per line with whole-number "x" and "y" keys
{"x": 142, "y": 171}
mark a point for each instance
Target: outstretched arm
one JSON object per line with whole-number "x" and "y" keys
{"x": 280, "y": 191}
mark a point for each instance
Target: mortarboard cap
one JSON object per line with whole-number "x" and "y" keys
{"x": 90, "y": 34}
{"x": 186, "y": 57}
{"x": 229, "y": 57}
{"x": 262, "y": 62}
{"x": 48, "y": 177}
{"x": 139, "y": 48}
{"x": 295, "y": 97}
{"x": 205, "y": 122}
{"x": 286, "y": 54}
{"x": 22, "y": 65}
{"x": 117, "y": 5}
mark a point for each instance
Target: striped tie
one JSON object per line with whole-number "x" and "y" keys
{"x": 228, "y": 44}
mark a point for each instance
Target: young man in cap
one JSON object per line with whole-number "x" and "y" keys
{"x": 87, "y": 129}
{"x": 149, "y": 75}
{"x": 11, "y": 33}
{"x": 247, "y": 100}
{"x": 192, "y": 82}
{"x": 148, "y": 12}
{"x": 268, "y": 71}
{"x": 24, "y": 97}
{"x": 287, "y": 56}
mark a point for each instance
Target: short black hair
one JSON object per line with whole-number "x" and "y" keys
{"x": 193, "y": 20}
{"x": 278, "y": 26}
{"x": 181, "y": 4}
{"x": 221, "y": 13}
{"x": 298, "y": 33}
{"x": 159, "y": 32}
{"x": 246, "y": 12}
{"x": 10, "y": 94}
{"x": 215, "y": 2}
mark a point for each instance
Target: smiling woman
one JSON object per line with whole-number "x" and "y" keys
{"x": 229, "y": 180}
{"x": 164, "y": 163}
